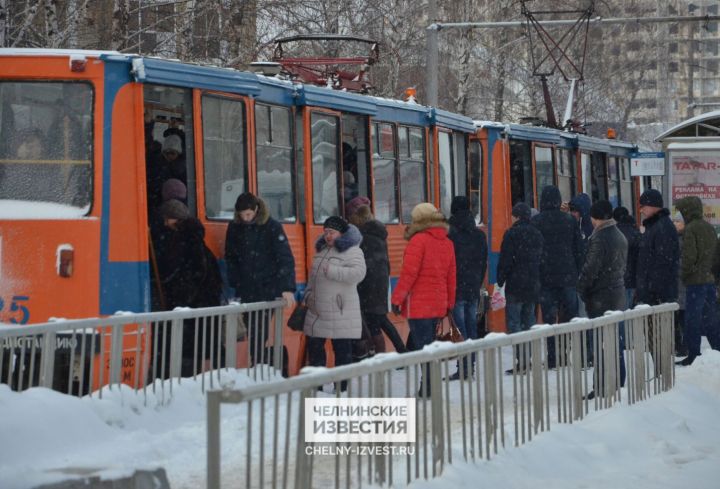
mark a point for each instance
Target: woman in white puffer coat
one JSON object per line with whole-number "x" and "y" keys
{"x": 332, "y": 297}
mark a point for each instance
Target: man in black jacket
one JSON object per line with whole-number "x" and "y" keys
{"x": 562, "y": 258}
{"x": 658, "y": 253}
{"x": 658, "y": 258}
{"x": 470, "y": 262}
{"x": 519, "y": 271}
{"x": 602, "y": 279}
{"x": 260, "y": 264}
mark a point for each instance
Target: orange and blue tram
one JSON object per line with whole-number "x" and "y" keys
{"x": 78, "y": 128}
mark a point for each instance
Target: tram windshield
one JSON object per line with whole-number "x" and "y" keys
{"x": 46, "y": 143}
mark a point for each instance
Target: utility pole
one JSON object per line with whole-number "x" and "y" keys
{"x": 431, "y": 68}
{"x": 691, "y": 71}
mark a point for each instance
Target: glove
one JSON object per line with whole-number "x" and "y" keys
{"x": 396, "y": 309}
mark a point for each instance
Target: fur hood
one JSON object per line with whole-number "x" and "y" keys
{"x": 262, "y": 217}
{"x": 347, "y": 240}
{"x": 690, "y": 207}
{"x": 436, "y": 220}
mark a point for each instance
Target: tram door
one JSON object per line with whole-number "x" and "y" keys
{"x": 521, "y": 173}
{"x": 544, "y": 168}
{"x": 338, "y": 168}
{"x": 170, "y": 168}
{"x": 594, "y": 175}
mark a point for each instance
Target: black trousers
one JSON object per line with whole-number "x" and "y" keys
{"x": 378, "y": 323}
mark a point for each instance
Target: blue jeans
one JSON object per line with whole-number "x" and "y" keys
{"x": 422, "y": 332}
{"x": 700, "y": 309}
{"x": 519, "y": 316}
{"x": 558, "y": 304}
{"x": 465, "y": 316}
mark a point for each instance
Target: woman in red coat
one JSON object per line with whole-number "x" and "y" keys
{"x": 425, "y": 292}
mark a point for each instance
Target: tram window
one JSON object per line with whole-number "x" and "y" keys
{"x": 275, "y": 160}
{"x": 46, "y": 143}
{"x": 521, "y": 180}
{"x": 543, "y": 168}
{"x": 566, "y": 173}
{"x": 325, "y": 164}
{"x": 460, "y": 169}
{"x": 412, "y": 169}
{"x": 476, "y": 179}
{"x": 224, "y": 154}
{"x": 626, "y": 186}
{"x": 586, "y": 173}
{"x": 445, "y": 167}
{"x": 384, "y": 174}
{"x": 599, "y": 177}
{"x": 613, "y": 182}
{"x": 356, "y": 174}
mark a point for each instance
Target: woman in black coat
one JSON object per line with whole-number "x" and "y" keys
{"x": 373, "y": 290}
{"x": 190, "y": 278}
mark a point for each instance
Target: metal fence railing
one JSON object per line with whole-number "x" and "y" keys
{"x": 468, "y": 419}
{"x": 147, "y": 350}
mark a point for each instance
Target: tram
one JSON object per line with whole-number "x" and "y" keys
{"x": 78, "y": 128}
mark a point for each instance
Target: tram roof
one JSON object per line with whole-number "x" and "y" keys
{"x": 560, "y": 138}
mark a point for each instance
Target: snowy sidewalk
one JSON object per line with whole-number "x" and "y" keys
{"x": 670, "y": 440}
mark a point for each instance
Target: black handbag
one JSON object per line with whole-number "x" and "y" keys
{"x": 296, "y": 321}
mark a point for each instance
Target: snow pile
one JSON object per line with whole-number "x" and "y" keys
{"x": 670, "y": 440}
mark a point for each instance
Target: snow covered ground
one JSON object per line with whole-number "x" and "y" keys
{"x": 672, "y": 440}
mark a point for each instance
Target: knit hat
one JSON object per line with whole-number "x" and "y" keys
{"x": 601, "y": 210}
{"x": 352, "y": 206}
{"x": 522, "y": 211}
{"x": 620, "y": 212}
{"x": 174, "y": 209}
{"x": 172, "y": 143}
{"x": 174, "y": 189}
{"x": 337, "y": 223}
{"x": 246, "y": 201}
{"x": 459, "y": 204}
{"x": 651, "y": 198}
{"x": 424, "y": 210}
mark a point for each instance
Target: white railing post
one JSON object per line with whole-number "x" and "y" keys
{"x": 47, "y": 360}
{"x": 213, "y": 439}
{"x": 231, "y": 321}
{"x": 176, "y": 341}
{"x": 278, "y": 340}
{"x": 116, "y": 348}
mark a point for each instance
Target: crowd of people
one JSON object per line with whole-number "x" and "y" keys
{"x": 571, "y": 267}
{"x": 569, "y": 260}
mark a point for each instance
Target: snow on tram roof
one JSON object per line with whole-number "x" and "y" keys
{"x": 54, "y": 52}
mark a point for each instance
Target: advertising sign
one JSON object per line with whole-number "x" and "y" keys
{"x": 698, "y": 174}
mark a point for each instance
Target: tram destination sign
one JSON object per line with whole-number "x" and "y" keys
{"x": 647, "y": 164}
